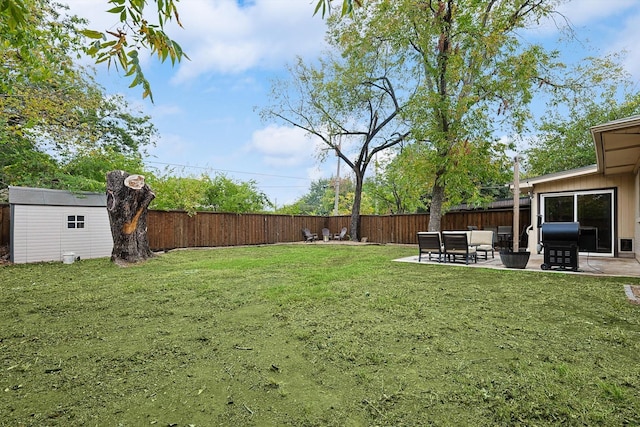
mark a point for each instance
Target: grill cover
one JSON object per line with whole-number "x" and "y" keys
{"x": 560, "y": 233}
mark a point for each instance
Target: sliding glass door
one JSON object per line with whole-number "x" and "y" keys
{"x": 594, "y": 210}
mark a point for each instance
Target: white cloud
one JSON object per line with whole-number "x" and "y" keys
{"x": 165, "y": 110}
{"x": 601, "y": 27}
{"x": 584, "y": 12}
{"x": 170, "y": 146}
{"x": 315, "y": 173}
{"x": 223, "y": 37}
{"x": 587, "y": 16}
{"x": 282, "y": 146}
{"x": 626, "y": 40}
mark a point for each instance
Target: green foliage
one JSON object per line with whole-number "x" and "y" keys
{"x": 87, "y": 170}
{"x": 403, "y": 182}
{"x": 471, "y": 75}
{"x": 78, "y": 157}
{"x": 115, "y": 126}
{"x": 202, "y": 193}
{"x": 351, "y": 100}
{"x": 58, "y": 128}
{"x": 119, "y": 48}
{"x": 315, "y": 202}
{"x": 22, "y": 164}
{"x": 325, "y": 6}
{"x": 320, "y": 200}
{"x": 227, "y": 195}
{"x": 179, "y": 193}
{"x": 564, "y": 139}
{"x": 39, "y": 85}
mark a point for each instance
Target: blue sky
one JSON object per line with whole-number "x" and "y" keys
{"x": 204, "y": 109}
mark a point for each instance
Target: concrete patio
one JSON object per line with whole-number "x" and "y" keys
{"x": 588, "y": 265}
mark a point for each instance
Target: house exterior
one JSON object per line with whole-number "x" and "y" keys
{"x": 47, "y": 224}
{"x": 604, "y": 198}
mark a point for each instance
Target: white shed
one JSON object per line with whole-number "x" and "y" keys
{"x": 47, "y": 224}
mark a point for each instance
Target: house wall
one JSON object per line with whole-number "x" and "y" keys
{"x": 40, "y": 233}
{"x": 636, "y": 192}
{"x": 626, "y": 202}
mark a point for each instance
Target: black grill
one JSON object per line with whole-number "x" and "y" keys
{"x": 560, "y": 242}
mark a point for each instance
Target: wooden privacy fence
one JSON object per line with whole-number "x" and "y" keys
{"x": 5, "y": 223}
{"x": 168, "y": 230}
{"x": 176, "y": 229}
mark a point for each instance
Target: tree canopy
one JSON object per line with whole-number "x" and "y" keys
{"x": 472, "y": 74}
{"x": 203, "y": 193}
{"x": 563, "y": 140}
{"x": 140, "y": 29}
{"x": 352, "y": 103}
{"x": 58, "y": 129}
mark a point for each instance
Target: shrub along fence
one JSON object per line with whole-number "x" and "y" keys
{"x": 177, "y": 229}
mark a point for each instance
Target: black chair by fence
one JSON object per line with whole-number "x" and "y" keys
{"x": 505, "y": 236}
{"x": 457, "y": 245}
{"x": 429, "y": 242}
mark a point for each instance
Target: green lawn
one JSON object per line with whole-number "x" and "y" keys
{"x": 313, "y": 335}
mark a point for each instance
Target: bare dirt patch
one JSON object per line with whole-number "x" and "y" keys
{"x": 635, "y": 291}
{"x": 4, "y": 255}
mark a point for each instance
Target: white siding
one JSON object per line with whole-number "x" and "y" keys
{"x": 40, "y": 233}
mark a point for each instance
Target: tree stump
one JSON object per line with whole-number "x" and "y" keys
{"x": 128, "y": 198}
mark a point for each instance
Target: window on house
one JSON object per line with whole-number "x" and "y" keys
{"x": 75, "y": 221}
{"x": 594, "y": 210}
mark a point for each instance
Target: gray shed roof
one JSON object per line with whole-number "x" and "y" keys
{"x": 44, "y": 196}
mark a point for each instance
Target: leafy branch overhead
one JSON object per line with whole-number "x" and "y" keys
{"x": 324, "y": 6}
{"x": 121, "y": 47}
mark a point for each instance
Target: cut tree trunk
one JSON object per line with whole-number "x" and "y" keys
{"x": 128, "y": 198}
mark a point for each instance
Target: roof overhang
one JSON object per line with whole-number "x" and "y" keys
{"x": 617, "y": 146}
{"x": 528, "y": 183}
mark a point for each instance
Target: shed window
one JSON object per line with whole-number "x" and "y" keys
{"x": 75, "y": 221}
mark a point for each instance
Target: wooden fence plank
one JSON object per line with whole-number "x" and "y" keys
{"x": 5, "y": 222}
{"x": 176, "y": 229}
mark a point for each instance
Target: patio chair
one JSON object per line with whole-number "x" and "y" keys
{"x": 308, "y": 235}
{"x": 341, "y": 235}
{"x": 482, "y": 240}
{"x": 326, "y": 234}
{"x": 505, "y": 236}
{"x": 430, "y": 242}
{"x": 492, "y": 228}
{"x": 456, "y": 244}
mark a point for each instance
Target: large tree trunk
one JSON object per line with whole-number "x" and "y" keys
{"x": 435, "y": 211}
{"x": 355, "y": 210}
{"x": 128, "y": 198}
